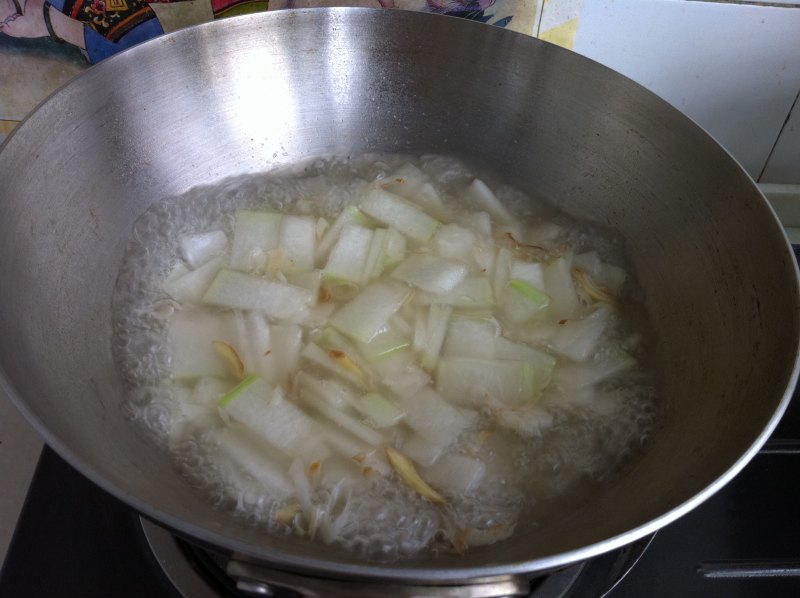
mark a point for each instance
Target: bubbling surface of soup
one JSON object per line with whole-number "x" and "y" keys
{"x": 383, "y": 353}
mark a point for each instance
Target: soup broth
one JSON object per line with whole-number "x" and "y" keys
{"x": 385, "y": 353}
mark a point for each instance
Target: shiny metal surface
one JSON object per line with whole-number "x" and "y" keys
{"x": 182, "y": 573}
{"x": 255, "y": 580}
{"x": 244, "y": 94}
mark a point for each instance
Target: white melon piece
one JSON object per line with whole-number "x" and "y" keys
{"x": 435, "y": 331}
{"x": 480, "y": 337}
{"x": 298, "y": 243}
{"x": 374, "y": 462}
{"x": 345, "y": 352}
{"x": 373, "y": 264}
{"x": 560, "y": 287}
{"x": 317, "y": 356}
{"x": 382, "y": 412}
{"x": 421, "y": 450}
{"x": 310, "y": 280}
{"x": 542, "y": 233}
{"x": 298, "y": 474}
{"x": 344, "y": 420}
{"x": 369, "y": 458}
{"x": 577, "y": 376}
{"x": 254, "y": 234}
{"x": 483, "y": 198}
{"x": 187, "y": 415}
{"x": 430, "y": 273}
{"x": 286, "y": 341}
{"x": 367, "y": 313}
{"x": 455, "y": 474}
{"x": 602, "y": 274}
{"x": 478, "y": 222}
{"x": 256, "y": 350}
{"x": 578, "y": 339}
{"x": 429, "y": 200}
{"x": 406, "y": 181}
{"x": 318, "y": 316}
{"x": 388, "y": 341}
{"x": 349, "y": 215}
{"x": 400, "y": 323}
{"x": 198, "y": 248}
{"x": 392, "y": 210}
{"x": 191, "y": 286}
{"x": 400, "y": 373}
{"x": 320, "y": 228}
{"x": 387, "y": 249}
{"x": 333, "y": 392}
{"x": 455, "y": 242}
{"x": 208, "y": 390}
{"x": 410, "y": 182}
{"x": 471, "y": 337}
{"x": 472, "y": 382}
{"x": 521, "y": 302}
{"x": 473, "y": 291}
{"x": 254, "y": 461}
{"x": 508, "y": 349}
{"x": 420, "y": 323}
{"x": 394, "y": 248}
{"x": 536, "y": 332}
{"x": 178, "y": 270}
{"x": 243, "y": 291}
{"x": 484, "y": 255}
{"x": 348, "y": 258}
{"x": 530, "y": 272}
{"x": 192, "y": 334}
{"x": 343, "y": 444}
{"x": 269, "y": 415}
{"x": 434, "y": 419}
{"x": 512, "y": 231}
{"x": 501, "y": 273}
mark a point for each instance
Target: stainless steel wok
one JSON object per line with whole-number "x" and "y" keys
{"x": 249, "y": 93}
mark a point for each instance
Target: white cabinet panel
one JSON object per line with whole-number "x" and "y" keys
{"x": 784, "y": 163}
{"x": 733, "y": 68}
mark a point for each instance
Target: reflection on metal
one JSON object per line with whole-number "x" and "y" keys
{"x": 781, "y": 446}
{"x": 747, "y": 569}
{"x": 174, "y": 563}
{"x": 258, "y": 580}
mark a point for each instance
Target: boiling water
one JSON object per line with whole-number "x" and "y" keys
{"x": 385, "y": 520}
